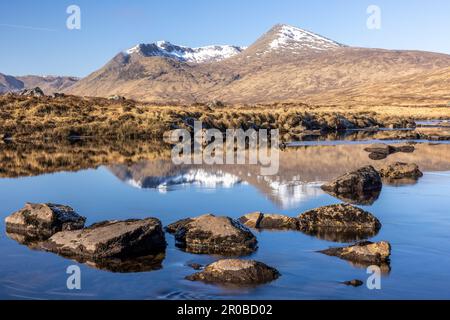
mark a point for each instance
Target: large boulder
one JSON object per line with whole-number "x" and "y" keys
{"x": 339, "y": 223}
{"x": 32, "y": 92}
{"x": 338, "y": 216}
{"x": 259, "y": 220}
{"x": 41, "y": 221}
{"x": 400, "y": 170}
{"x": 110, "y": 239}
{"x": 233, "y": 271}
{"x": 213, "y": 235}
{"x": 363, "y": 252}
{"x": 362, "y": 186}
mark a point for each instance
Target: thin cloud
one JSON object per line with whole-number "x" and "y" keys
{"x": 17, "y": 26}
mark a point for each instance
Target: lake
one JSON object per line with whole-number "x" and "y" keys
{"x": 415, "y": 219}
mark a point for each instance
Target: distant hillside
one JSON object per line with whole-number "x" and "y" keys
{"x": 49, "y": 84}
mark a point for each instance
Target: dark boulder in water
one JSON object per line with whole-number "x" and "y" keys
{"x": 110, "y": 239}
{"x": 365, "y": 252}
{"x": 400, "y": 170}
{"x": 362, "y": 186}
{"x": 209, "y": 234}
{"x": 339, "y": 223}
{"x": 237, "y": 272}
{"x": 42, "y": 220}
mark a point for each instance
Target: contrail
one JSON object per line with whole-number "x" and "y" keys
{"x": 25, "y": 27}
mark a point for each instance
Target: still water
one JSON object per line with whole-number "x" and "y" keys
{"x": 415, "y": 218}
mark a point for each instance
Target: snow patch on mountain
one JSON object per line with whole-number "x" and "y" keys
{"x": 186, "y": 54}
{"x": 295, "y": 38}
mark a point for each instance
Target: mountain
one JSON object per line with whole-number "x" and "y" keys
{"x": 9, "y": 83}
{"x": 284, "y": 64}
{"x": 49, "y": 84}
{"x": 185, "y": 54}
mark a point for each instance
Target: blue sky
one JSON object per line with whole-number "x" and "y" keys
{"x": 35, "y": 39}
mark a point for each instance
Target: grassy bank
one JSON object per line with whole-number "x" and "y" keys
{"x": 26, "y": 118}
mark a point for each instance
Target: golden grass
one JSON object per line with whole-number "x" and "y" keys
{"x": 58, "y": 118}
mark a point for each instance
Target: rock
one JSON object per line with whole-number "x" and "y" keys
{"x": 354, "y": 283}
{"x": 195, "y": 266}
{"x": 110, "y": 239}
{"x": 213, "y": 235}
{"x": 215, "y": 104}
{"x": 58, "y": 95}
{"x": 259, "y": 220}
{"x": 380, "y": 151}
{"x": 41, "y": 221}
{"x": 365, "y": 252}
{"x": 35, "y": 92}
{"x": 339, "y": 216}
{"x": 116, "y": 98}
{"x": 400, "y": 170}
{"x": 380, "y": 148}
{"x": 233, "y": 271}
{"x": 360, "y": 187}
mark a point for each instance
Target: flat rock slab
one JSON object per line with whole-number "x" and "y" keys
{"x": 363, "y": 252}
{"x": 110, "y": 239}
{"x": 359, "y": 187}
{"x": 234, "y": 271}
{"x": 259, "y": 220}
{"x": 400, "y": 170}
{"x": 41, "y": 221}
{"x": 209, "y": 234}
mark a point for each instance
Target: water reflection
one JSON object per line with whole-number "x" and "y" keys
{"x": 342, "y": 235}
{"x": 116, "y": 265}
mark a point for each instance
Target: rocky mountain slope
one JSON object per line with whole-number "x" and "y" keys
{"x": 285, "y": 64}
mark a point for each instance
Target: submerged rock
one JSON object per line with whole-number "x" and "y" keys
{"x": 259, "y": 220}
{"x": 400, "y": 170}
{"x": 362, "y": 186}
{"x": 365, "y": 252}
{"x": 340, "y": 223}
{"x": 110, "y": 239}
{"x": 234, "y": 271}
{"x": 354, "y": 283}
{"x": 41, "y": 221}
{"x": 195, "y": 266}
{"x": 209, "y": 234}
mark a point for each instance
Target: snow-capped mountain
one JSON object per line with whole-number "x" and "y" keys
{"x": 285, "y": 64}
{"x": 288, "y": 40}
{"x": 296, "y": 38}
{"x": 194, "y": 55}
